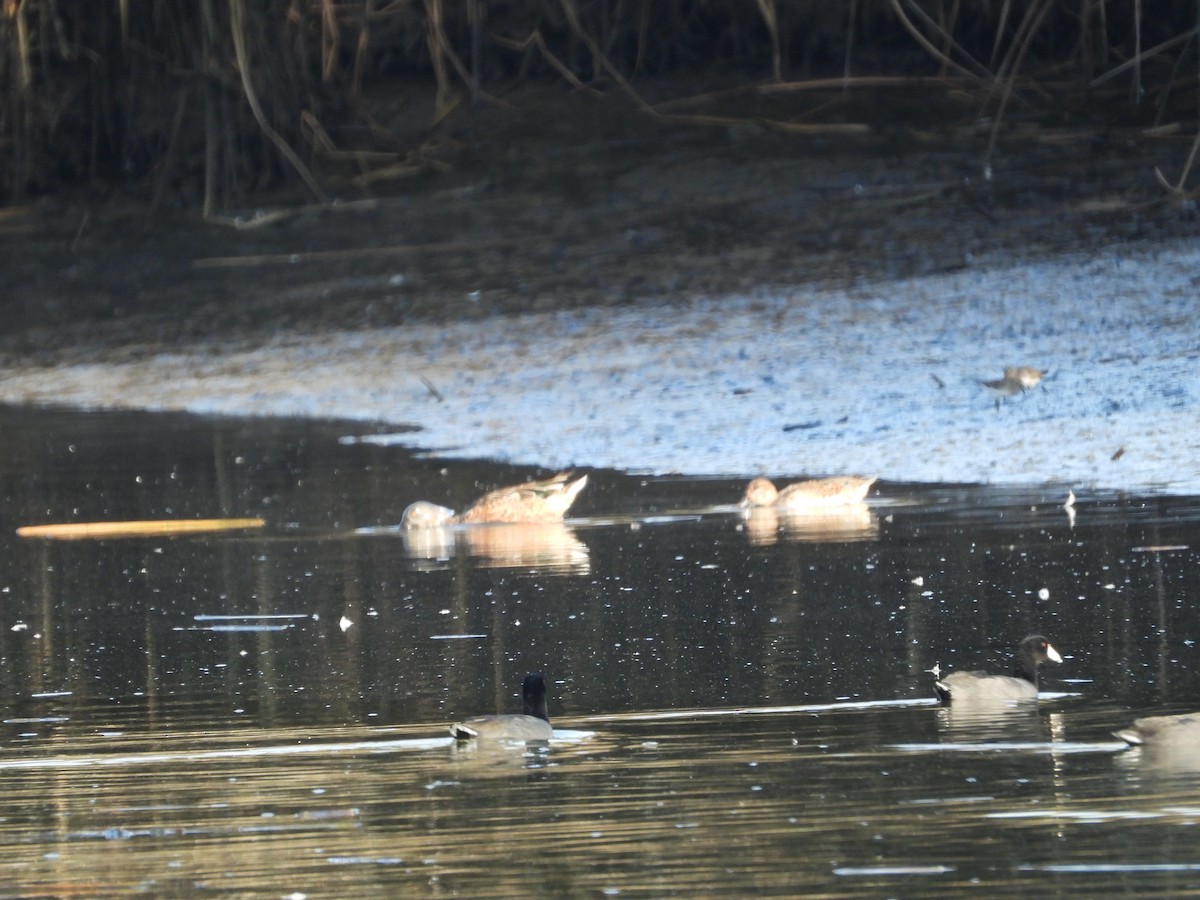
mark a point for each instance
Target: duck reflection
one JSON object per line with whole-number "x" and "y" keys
{"x": 766, "y": 525}
{"x": 429, "y": 543}
{"x": 550, "y": 545}
{"x": 1165, "y": 743}
{"x": 475, "y": 761}
{"x": 1169, "y": 759}
{"x": 989, "y": 721}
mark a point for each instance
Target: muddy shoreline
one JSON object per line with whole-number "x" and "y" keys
{"x": 570, "y": 202}
{"x": 607, "y": 290}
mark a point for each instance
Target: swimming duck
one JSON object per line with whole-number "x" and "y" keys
{"x": 424, "y": 514}
{"x": 532, "y": 725}
{"x": 1164, "y": 731}
{"x": 1021, "y": 685}
{"x": 813, "y": 494}
{"x": 533, "y": 502}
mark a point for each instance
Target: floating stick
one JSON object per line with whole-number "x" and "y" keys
{"x": 73, "y": 531}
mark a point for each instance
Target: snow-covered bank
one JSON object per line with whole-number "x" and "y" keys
{"x": 879, "y": 379}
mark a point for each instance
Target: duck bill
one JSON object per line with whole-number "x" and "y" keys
{"x": 1053, "y": 654}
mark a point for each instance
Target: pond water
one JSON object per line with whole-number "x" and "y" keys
{"x": 742, "y": 707}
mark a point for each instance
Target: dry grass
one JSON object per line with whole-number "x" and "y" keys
{"x": 207, "y": 103}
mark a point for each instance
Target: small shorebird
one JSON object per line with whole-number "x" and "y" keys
{"x": 1017, "y": 379}
{"x": 813, "y": 494}
{"x": 1026, "y": 376}
{"x": 532, "y": 502}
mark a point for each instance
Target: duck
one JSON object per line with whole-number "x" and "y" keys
{"x": 816, "y": 493}
{"x": 1181, "y": 730}
{"x": 534, "y": 502}
{"x": 531, "y": 726}
{"x": 1021, "y": 685}
{"x": 423, "y": 514}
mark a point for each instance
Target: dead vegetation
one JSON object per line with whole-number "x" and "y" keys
{"x": 205, "y": 104}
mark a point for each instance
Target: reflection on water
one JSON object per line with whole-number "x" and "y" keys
{"x": 740, "y": 707}
{"x": 550, "y": 546}
{"x": 852, "y": 522}
{"x": 1167, "y": 758}
{"x": 968, "y": 723}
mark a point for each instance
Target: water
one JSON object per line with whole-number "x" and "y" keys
{"x": 743, "y": 707}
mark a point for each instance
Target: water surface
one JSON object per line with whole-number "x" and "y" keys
{"x": 744, "y": 705}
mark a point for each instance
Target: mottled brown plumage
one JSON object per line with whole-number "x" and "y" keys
{"x": 534, "y": 502}
{"x": 816, "y": 493}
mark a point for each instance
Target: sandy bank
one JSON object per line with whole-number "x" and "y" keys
{"x": 882, "y": 378}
